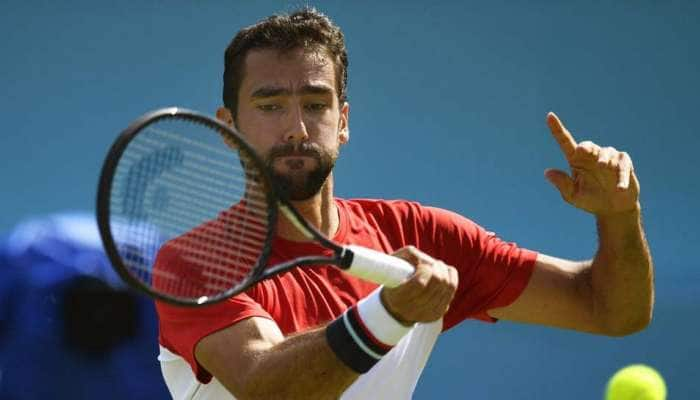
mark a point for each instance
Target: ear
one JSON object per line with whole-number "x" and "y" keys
{"x": 223, "y": 114}
{"x": 343, "y": 127}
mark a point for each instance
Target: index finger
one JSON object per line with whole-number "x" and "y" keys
{"x": 562, "y": 135}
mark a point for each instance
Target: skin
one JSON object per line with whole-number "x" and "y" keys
{"x": 291, "y": 97}
{"x": 612, "y": 294}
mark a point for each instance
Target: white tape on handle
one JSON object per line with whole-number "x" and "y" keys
{"x": 378, "y": 267}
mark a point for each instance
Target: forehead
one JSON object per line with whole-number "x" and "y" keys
{"x": 289, "y": 69}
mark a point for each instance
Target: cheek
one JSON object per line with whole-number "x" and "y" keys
{"x": 327, "y": 130}
{"x": 261, "y": 144}
{"x": 256, "y": 131}
{"x": 257, "y": 141}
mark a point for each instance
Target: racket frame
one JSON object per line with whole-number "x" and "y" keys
{"x": 342, "y": 256}
{"x": 104, "y": 193}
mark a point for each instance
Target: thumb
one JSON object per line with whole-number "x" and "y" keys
{"x": 562, "y": 181}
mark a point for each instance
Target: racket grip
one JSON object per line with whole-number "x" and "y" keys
{"x": 378, "y": 267}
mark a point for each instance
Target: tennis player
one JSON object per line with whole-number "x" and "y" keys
{"x": 322, "y": 334}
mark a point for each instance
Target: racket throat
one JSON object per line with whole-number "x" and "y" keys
{"x": 296, "y": 220}
{"x": 345, "y": 258}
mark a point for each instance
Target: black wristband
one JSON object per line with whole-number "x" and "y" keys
{"x": 353, "y": 344}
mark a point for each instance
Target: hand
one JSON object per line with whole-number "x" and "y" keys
{"x": 427, "y": 295}
{"x": 602, "y": 179}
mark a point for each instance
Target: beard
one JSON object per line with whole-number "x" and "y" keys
{"x": 299, "y": 184}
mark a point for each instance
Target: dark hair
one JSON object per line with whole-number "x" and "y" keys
{"x": 306, "y": 28}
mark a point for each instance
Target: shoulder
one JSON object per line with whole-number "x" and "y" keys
{"x": 416, "y": 224}
{"x": 381, "y": 207}
{"x": 405, "y": 210}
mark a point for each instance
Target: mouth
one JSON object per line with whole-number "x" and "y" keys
{"x": 294, "y": 155}
{"x": 290, "y": 150}
{"x": 293, "y": 158}
{"x": 293, "y": 162}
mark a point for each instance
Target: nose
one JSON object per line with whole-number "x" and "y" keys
{"x": 296, "y": 127}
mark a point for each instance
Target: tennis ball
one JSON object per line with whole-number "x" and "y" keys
{"x": 636, "y": 382}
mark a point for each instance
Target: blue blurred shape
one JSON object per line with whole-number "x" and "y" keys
{"x": 69, "y": 328}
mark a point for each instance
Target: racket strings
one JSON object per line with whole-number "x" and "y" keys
{"x": 251, "y": 236}
{"x": 193, "y": 179}
{"x": 181, "y": 210}
{"x": 216, "y": 241}
{"x": 209, "y": 249}
{"x": 179, "y": 190}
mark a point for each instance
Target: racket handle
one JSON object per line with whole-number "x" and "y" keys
{"x": 378, "y": 267}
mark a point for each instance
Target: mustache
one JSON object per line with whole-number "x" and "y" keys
{"x": 292, "y": 149}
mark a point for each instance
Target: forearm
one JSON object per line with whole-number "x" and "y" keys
{"x": 622, "y": 275}
{"x": 254, "y": 361}
{"x": 300, "y": 367}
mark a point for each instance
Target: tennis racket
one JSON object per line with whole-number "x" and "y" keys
{"x": 187, "y": 212}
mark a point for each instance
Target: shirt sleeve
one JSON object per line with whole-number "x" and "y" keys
{"x": 492, "y": 272}
{"x": 181, "y": 328}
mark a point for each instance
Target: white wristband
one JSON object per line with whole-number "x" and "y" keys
{"x": 378, "y": 321}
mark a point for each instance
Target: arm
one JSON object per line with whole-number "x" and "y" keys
{"x": 612, "y": 294}
{"x": 622, "y": 275}
{"x": 253, "y": 359}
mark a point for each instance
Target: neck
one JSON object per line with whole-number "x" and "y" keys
{"x": 319, "y": 211}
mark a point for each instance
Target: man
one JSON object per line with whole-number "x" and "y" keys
{"x": 319, "y": 333}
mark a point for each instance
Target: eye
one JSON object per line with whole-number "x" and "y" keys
{"x": 316, "y": 106}
{"x": 268, "y": 107}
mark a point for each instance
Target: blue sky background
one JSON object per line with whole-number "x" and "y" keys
{"x": 448, "y": 103}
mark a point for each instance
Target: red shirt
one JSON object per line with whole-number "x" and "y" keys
{"x": 492, "y": 274}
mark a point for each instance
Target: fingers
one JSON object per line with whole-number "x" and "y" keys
{"x": 564, "y": 138}
{"x": 426, "y": 296}
{"x": 619, "y": 162}
{"x": 413, "y": 255}
{"x": 605, "y": 159}
{"x": 444, "y": 290}
{"x": 602, "y": 179}
{"x": 612, "y": 168}
{"x": 438, "y": 290}
{"x": 429, "y": 276}
{"x": 625, "y": 171}
{"x": 563, "y": 182}
{"x": 585, "y": 155}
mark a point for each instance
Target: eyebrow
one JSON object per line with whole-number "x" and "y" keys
{"x": 272, "y": 91}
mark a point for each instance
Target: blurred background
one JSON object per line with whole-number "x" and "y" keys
{"x": 448, "y": 103}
